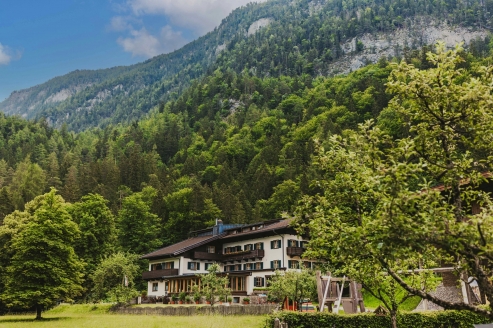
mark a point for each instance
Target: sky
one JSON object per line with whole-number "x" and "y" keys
{"x": 41, "y": 39}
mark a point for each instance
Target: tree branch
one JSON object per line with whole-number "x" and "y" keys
{"x": 442, "y": 303}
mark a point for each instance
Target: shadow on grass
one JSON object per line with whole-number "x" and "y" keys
{"x": 29, "y": 319}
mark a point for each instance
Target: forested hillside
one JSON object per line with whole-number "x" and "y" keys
{"x": 233, "y": 146}
{"x": 316, "y": 38}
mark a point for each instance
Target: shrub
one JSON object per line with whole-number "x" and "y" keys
{"x": 439, "y": 319}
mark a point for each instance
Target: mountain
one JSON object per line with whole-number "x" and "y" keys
{"x": 274, "y": 38}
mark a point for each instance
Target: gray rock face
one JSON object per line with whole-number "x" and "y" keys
{"x": 258, "y": 25}
{"x": 415, "y": 34}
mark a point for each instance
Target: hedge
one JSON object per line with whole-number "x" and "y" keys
{"x": 438, "y": 319}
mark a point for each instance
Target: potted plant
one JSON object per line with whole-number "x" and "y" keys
{"x": 230, "y": 299}
{"x": 182, "y": 297}
{"x": 246, "y": 301}
{"x": 221, "y": 299}
{"x": 197, "y": 298}
{"x": 187, "y": 299}
{"x": 174, "y": 298}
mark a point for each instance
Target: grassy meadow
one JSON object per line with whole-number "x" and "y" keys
{"x": 90, "y": 316}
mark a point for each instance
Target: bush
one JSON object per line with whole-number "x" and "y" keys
{"x": 439, "y": 319}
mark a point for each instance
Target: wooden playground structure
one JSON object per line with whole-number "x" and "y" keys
{"x": 332, "y": 294}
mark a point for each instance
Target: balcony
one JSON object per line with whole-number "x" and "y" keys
{"x": 207, "y": 256}
{"x": 294, "y": 251}
{"x": 157, "y": 274}
{"x": 244, "y": 255}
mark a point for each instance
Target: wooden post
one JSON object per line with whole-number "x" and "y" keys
{"x": 277, "y": 323}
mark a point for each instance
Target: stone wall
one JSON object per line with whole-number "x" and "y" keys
{"x": 198, "y": 310}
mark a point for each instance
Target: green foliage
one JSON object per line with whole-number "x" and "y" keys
{"x": 296, "y": 285}
{"x": 138, "y": 227}
{"x": 214, "y": 285}
{"x": 378, "y": 192}
{"x": 44, "y": 267}
{"x": 114, "y": 276}
{"x": 98, "y": 236}
{"x": 459, "y": 319}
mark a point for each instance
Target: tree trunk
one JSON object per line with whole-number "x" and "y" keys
{"x": 38, "y": 311}
{"x": 393, "y": 318}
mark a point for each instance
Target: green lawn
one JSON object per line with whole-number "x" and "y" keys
{"x": 372, "y": 303}
{"x": 89, "y": 316}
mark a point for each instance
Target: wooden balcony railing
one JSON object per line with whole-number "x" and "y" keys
{"x": 245, "y": 255}
{"x": 294, "y": 251}
{"x": 157, "y": 274}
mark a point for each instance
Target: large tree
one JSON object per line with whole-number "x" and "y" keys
{"x": 98, "y": 235}
{"x": 139, "y": 230}
{"x": 44, "y": 267}
{"x": 407, "y": 203}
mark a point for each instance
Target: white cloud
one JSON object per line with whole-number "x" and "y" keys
{"x": 201, "y": 16}
{"x": 5, "y": 56}
{"x": 142, "y": 43}
{"x": 119, "y": 23}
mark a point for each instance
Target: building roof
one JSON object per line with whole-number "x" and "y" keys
{"x": 268, "y": 226}
{"x": 191, "y": 243}
{"x": 181, "y": 247}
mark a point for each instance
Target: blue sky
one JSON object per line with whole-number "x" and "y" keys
{"x": 41, "y": 39}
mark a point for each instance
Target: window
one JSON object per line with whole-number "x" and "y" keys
{"x": 168, "y": 265}
{"x": 303, "y": 244}
{"x": 292, "y": 243}
{"x": 237, "y": 283}
{"x": 275, "y": 244}
{"x": 194, "y": 266}
{"x": 155, "y": 286}
{"x": 308, "y": 264}
{"x": 238, "y": 248}
{"x": 275, "y": 264}
{"x": 259, "y": 266}
{"x": 227, "y": 268}
{"x": 248, "y": 247}
{"x": 248, "y": 266}
{"x": 237, "y": 267}
{"x": 211, "y": 249}
{"x": 293, "y": 265}
{"x": 259, "y": 246}
{"x": 258, "y": 282}
{"x": 207, "y": 266}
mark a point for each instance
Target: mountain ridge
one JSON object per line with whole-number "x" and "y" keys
{"x": 272, "y": 38}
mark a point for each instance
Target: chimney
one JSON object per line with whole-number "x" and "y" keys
{"x": 218, "y": 228}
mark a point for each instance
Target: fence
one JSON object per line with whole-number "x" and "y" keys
{"x": 198, "y": 310}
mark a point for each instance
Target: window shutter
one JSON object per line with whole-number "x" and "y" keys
{"x": 272, "y": 264}
{"x": 198, "y": 265}
{"x": 263, "y": 282}
{"x": 289, "y": 263}
{"x": 261, "y": 265}
{"x": 272, "y": 244}
{"x": 172, "y": 265}
{"x": 189, "y": 265}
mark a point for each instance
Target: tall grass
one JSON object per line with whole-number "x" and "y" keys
{"x": 90, "y": 316}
